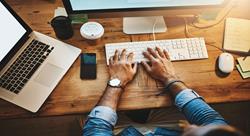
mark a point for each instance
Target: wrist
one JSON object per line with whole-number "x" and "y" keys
{"x": 115, "y": 89}
{"x": 166, "y": 81}
{"x": 175, "y": 87}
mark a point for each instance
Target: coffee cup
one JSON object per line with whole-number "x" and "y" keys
{"x": 62, "y": 27}
{"x": 92, "y": 32}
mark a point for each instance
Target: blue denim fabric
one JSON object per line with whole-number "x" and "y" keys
{"x": 102, "y": 119}
{"x": 105, "y": 113}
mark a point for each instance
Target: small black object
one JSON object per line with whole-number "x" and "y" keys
{"x": 88, "y": 66}
{"x": 62, "y": 27}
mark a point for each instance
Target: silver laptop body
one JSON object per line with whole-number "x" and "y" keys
{"x": 57, "y": 60}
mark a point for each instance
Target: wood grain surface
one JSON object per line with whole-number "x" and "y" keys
{"x": 75, "y": 96}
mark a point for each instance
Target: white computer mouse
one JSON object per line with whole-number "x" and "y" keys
{"x": 226, "y": 63}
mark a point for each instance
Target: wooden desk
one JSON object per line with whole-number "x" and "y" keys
{"x": 76, "y": 96}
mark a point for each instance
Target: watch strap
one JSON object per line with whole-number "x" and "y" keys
{"x": 166, "y": 88}
{"x": 115, "y": 86}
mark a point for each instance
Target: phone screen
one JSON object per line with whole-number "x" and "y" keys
{"x": 88, "y": 66}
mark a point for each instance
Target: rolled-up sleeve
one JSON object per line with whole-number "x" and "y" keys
{"x": 184, "y": 97}
{"x": 105, "y": 113}
{"x": 101, "y": 121}
{"x": 196, "y": 110}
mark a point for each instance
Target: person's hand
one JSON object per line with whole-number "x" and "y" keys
{"x": 161, "y": 67}
{"x": 121, "y": 66}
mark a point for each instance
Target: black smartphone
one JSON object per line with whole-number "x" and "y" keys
{"x": 88, "y": 66}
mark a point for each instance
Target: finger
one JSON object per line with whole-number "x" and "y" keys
{"x": 146, "y": 66}
{"x": 131, "y": 57}
{"x": 123, "y": 55}
{"x": 116, "y": 56}
{"x": 135, "y": 68}
{"x": 153, "y": 53}
{"x": 166, "y": 54}
{"x": 160, "y": 52}
{"x": 111, "y": 61}
{"x": 148, "y": 56}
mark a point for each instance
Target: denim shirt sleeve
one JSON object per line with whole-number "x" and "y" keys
{"x": 101, "y": 121}
{"x": 196, "y": 110}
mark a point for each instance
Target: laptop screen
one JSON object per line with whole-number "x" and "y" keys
{"x": 11, "y": 31}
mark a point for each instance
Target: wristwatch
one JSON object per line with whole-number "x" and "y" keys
{"x": 115, "y": 82}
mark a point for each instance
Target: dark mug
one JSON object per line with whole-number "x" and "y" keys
{"x": 62, "y": 27}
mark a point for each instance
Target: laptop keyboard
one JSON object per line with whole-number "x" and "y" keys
{"x": 25, "y": 66}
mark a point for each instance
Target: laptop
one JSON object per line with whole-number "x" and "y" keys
{"x": 32, "y": 64}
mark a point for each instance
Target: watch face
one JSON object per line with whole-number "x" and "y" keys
{"x": 115, "y": 82}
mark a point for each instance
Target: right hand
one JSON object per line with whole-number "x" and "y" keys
{"x": 121, "y": 66}
{"x": 161, "y": 67}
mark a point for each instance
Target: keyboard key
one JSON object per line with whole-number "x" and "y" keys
{"x": 19, "y": 88}
{"x": 5, "y": 85}
{"x": 21, "y": 85}
{"x": 8, "y": 86}
{"x": 15, "y": 85}
{"x": 25, "y": 81}
{"x": 44, "y": 57}
{"x": 16, "y": 91}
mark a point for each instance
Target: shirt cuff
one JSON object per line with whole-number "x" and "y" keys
{"x": 105, "y": 113}
{"x": 184, "y": 97}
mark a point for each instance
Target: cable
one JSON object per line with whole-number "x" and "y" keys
{"x": 155, "y": 22}
{"x": 210, "y": 44}
{"x": 196, "y": 17}
{"x": 189, "y": 35}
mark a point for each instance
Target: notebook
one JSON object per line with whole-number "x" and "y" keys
{"x": 244, "y": 63}
{"x": 236, "y": 36}
{"x": 244, "y": 75}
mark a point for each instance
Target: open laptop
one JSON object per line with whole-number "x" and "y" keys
{"x": 31, "y": 64}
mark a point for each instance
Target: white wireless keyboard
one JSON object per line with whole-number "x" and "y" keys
{"x": 178, "y": 49}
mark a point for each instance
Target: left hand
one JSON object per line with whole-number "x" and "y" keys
{"x": 121, "y": 66}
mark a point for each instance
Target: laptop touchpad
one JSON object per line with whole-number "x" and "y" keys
{"x": 48, "y": 74}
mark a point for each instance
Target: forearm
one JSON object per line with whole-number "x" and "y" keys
{"x": 110, "y": 97}
{"x": 196, "y": 110}
{"x": 192, "y": 105}
{"x": 103, "y": 117}
{"x": 200, "y": 113}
